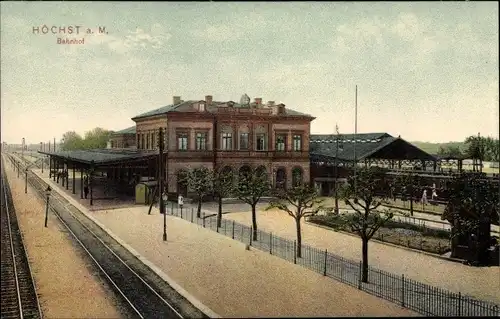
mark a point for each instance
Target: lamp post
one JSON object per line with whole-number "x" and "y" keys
{"x": 26, "y": 181}
{"x": 163, "y": 199}
{"x": 47, "y": 194}
{"x": 336, "y": 169}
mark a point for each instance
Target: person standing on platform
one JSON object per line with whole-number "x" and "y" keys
{"x": 86, "y": 186}
{"x": 424, "y": 197}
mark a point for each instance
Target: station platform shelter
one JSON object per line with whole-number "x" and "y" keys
{"x": 333, "y": 157}
{"x": 111, "y": 174}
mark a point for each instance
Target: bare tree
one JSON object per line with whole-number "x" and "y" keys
{"x": 199, "y": 181}
{"x": 250, "y": 188}
{"x": 304, "y": 202}
{"x": 362, "y": 195}
{"x": 223, "y": 185}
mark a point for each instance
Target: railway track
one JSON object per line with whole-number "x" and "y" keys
{"x": 18, "y": 291}
{"x": 143, "y": 299}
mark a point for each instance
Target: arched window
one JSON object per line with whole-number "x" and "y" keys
{"x": 261, "y": 171}
{"x": 244, "y": 171}
{"x": 280, "y": 178}
{"x": 182, "y": 186}
{"x": 297, "y": 176}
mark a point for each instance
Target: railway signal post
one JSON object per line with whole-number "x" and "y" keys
{"x": 162, "y": 193}
{"x": 47, "y": 194}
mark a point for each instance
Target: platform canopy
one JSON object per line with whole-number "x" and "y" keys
{"x": 103, "y": 157}
{"x": 383, "y": 146}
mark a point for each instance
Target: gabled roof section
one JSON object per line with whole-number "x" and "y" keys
{"x": 163, "y": 110}
{"x": 368, "y": 145}
{"x": 128, "y": 130}
{"x": 349, "y": 137}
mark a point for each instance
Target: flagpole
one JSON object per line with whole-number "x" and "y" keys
{"x": 355, "y": 137}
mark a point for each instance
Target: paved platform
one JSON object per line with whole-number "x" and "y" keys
{"x": 104, "y": 195}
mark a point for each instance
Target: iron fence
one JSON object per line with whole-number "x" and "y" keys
{"x": 416, "y": 296}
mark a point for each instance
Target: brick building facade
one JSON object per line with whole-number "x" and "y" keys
{"x": 124, "y": 138}
{"x": 230, "y": 136}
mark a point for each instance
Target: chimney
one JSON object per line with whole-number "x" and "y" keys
{"x": 177, "y": 100}
{"x": 208, "y": 99}
{"x": 278, "y": 109}
{"x": 258, "y": 100}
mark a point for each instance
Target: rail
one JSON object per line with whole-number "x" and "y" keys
{"x": 140, "y": 296}
{"x": 19, "y": 296}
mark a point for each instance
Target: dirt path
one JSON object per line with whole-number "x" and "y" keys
{"x": 235, "y": 282}
{"x": 66, "y": 284}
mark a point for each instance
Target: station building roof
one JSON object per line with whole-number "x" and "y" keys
{"x": 128, "y": 130}
{"x": 186, "y": 106}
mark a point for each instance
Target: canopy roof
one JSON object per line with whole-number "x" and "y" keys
{"x": 102, "y": 156}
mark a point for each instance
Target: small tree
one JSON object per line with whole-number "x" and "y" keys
{"x": 360, "y": 193}
{"x": 304, "y": 201}
{"x": 475, "y": 150}
{"x": 450, "y": 150}
{"x": 250, "y": 188}
{"x": 71, "y": 141}
{"x": 199, "y": 180}
{"x": 223, "y": 185}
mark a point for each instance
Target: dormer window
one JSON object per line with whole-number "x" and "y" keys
{"x": 201, "y": 107}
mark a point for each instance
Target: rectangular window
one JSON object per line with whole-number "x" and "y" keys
{"x": 297, "y": 142}
{"x": 280, "y": 143}
{"x": 201, "y": 141}
{"x": 182, "y": 142}
{"x": 227, "y": 141}
{"x": 243, "y": 141}
{"x": 143, "y": 142}
{"x": 261, "y": 142}
{"x": 153, "y": 142}
{"x": 138, "y": 141}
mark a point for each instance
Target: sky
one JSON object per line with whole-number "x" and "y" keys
{"x": 427, "y": 71}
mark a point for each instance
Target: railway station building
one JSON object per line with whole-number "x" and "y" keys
{"x": 234, "y": 137}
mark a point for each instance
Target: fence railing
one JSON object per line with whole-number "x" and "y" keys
{"x": 408, "y": 293}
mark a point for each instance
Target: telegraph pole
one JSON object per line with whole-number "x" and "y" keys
{"x": 54, "y": 144}
{"x": 336, "y": 169}
{"x": 160, "y": 182}
{"x": 22, "y": 149}
{"x": 355, "y": 140}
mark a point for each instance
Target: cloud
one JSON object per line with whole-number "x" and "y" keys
{"x": 294, "y": 76}
{"x": 134, "y": 40}
{"x": 249, "y": 25}
{"x": 364, "y": 33}
{"x": 407, "y": 26}
{"x": 220, "y": 33}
